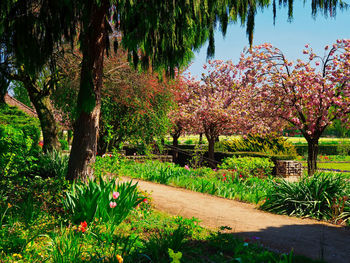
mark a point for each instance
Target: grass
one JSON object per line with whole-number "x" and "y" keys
{"x": 146, "y": 235}
{"x": 224, "y": 183}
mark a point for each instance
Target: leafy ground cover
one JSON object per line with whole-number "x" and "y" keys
{"x": 49, "y": 220}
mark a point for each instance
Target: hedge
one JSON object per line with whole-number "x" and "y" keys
{"x": 325, "y": 149}
{"x": 219, "y": 156}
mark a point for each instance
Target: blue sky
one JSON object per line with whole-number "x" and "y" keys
{"x": 290, "y": 37}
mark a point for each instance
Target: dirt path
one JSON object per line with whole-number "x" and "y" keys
{"x": 306, "y": 237}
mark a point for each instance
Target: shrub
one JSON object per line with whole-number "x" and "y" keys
{"x": 265, "y": 143}
{"x": 95, "y": 199}
{"x": 64, "y": 145}
{"x": 52, "y": 164}
{"x": 18, "y": 152}
{"x": 322, "y": 196}
{"x": 248, "y": 165}
{"x": 19, "y": 137}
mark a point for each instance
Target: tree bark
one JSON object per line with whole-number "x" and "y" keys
{"x": 312, "y": 156}
{"x": 201, "y": 138}
{"x": 86, "y": 126}
{"x": 211, "y": 145}
{"x": 175, "y": 144}
{"x": 44, "y": 109}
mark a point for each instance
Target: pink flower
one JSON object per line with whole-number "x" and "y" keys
{"x": 186, "y": 167}
{"x": 112, "y": 204}
{"x": 115, "y": 195}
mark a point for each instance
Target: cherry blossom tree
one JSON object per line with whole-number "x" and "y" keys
{"x": 309, "y": 94}
{"x": 215, "y": 106}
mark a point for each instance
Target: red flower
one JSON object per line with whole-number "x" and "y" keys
{"x": 83, "y": 226}
{"x": 224, "y": 175}
{"x": 240, "y": 175}
{"x": 145, "y": 200}
{"x": 41, "y": 144}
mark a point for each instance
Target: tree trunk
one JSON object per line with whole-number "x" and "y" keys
{"x": 312, "y": 156}
{"x": 4, "y": 84}
{"x": 175, "y": 144}
{"x": 201, "y": 138}
{"x": 86, "y": 126}
{"x": 211, "y": 152}
{"x": 44, "y": 109}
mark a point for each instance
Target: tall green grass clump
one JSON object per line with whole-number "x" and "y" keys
{"x": 322, "y": 196}
{"x": 101, "y": 199}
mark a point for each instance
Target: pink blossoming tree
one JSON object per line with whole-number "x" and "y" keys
{"x": 309, "y": 94}
{"x": 215, "y": 101}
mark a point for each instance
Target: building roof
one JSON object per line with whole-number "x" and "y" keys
{"x": 13, "y": 102}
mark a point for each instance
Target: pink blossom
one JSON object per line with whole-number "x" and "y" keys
{"x": 112, "y": 204}
{"x": 186, "y": 167}
{"x": 115, "y": 195}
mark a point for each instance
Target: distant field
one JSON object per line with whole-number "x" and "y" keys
{"x": 193, "y": 139}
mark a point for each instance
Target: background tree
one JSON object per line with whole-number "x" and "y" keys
{"x": 134, "y": 104}
{"x": 39, "y": 87}
{"x": 160, "y": 34}
{"x": 309, "y": 95}
{"x": 216, "y": 103}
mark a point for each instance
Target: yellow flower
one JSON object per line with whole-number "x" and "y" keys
{"x": 120, "y": 259}
{"x": 9, "y": 205}
{"x": 17, "y": 255}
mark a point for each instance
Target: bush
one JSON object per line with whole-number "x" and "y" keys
{"x": 322, "y": 196}
{"x": 19, "y": 137}
{"x": 18, "y": 153}
{"x": 249, "y": 166}
{"x": 339, "y": 149}
{"x": 64, "y": 145}
{"x": 95, "y": 199}
{"x": 265, "y": 143}
{"x": 52, "y": 164}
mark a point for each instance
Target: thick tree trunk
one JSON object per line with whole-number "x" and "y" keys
{"x": 84, "y": 145}
{"x": 45, "y": 111}
{"x": 211, "y": 152}
{"x": 312, "y": 156}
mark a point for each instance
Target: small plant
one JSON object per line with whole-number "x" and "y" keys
{"x": 52, "y": 164}
{"x": 101, "y": 199}
{"x": 197, "y": 157}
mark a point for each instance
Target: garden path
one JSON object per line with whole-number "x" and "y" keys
{"x": 307, "y": 237}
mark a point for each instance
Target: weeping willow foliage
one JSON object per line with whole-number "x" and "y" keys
{"x": 157, "y": 34}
